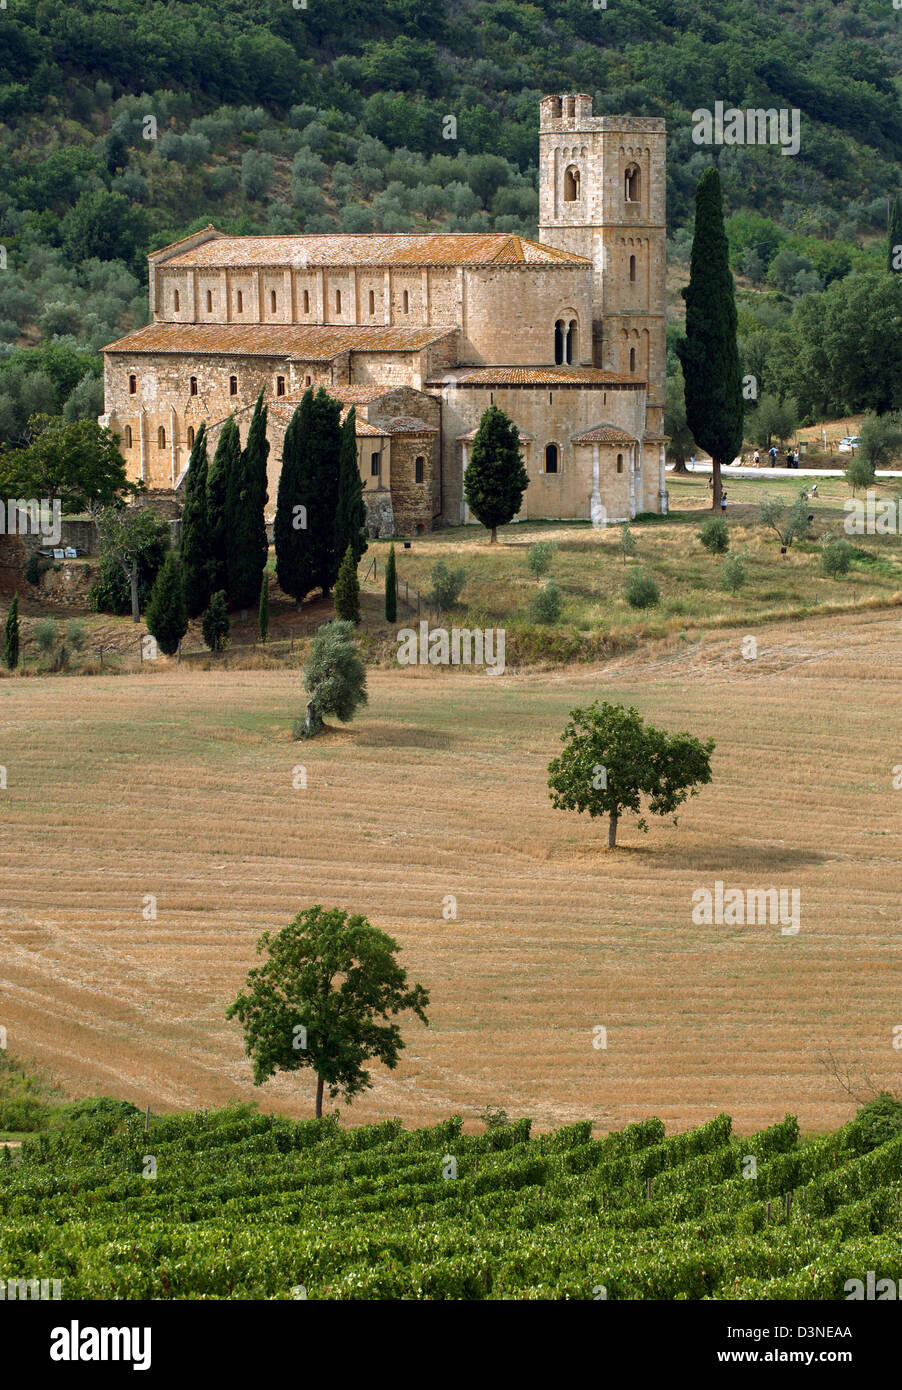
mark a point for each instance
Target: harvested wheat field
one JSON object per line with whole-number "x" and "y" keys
{"x": 178, "y": 786}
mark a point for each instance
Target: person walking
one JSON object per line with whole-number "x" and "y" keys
{"x": 757, "y": 458}
{"x": 773, "y": 455}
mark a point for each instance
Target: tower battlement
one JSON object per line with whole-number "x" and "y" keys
{"x": 572, "y": 113}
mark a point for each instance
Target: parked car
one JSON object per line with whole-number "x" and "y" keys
{"x": 848, "y": 446}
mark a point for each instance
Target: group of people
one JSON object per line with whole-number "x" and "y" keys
{"x": 791, "y": 456}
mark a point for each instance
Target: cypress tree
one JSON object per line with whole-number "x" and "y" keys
{"x": 350, "y": 512}
{"x": 894, "y": 245}
{"x": 195, "y": 536}
{"x": 294, "y": 569}
{"x": 248, "y": 547}
{"x": 216, "y": 621}
{"x": 263, "y": 618}
{"x": 166, "y": 615}
{"x": 347, "y": 589}
{"x": 391, "y": 587}
{"x": 11, "y": 647}
{"x": 324, "y": 460}
{"x": 222, "y": 471}
{"x": 496, "y": 479}
{"x": 709, "y": 354}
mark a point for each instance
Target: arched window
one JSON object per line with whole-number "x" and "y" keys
{"x": 374, "y": 465}
{"x": 190, "y": 436}
{"x": 552, "y": 458}
{"x": 273, "y": 302}
{"x": 132, "y": 385}
{"x": 338, "y": 301}
{"x": 632, "y": 183}
{"x": 559, "y": 342}
{"x": 176, "y": 301}
{"x": 209, "y": 301}
{"x": 308, "y": 380}
{"x": 419, "y": 467}
{"x": 570, "y": 345}
{"x": 406, "y": 302}
{"x": 240, "y": 302}
{"x": 128, "y": 436}
{"x": 571, "y": 184}
{"x": 632, "y": 270}
{"x": 632, "y": 359}
{"x": 306, "y": 301}
{"x": 619, "y": 463}
{"x": 280, "y": 386}
{"x": 372, "y": 301}
{"x": 192, "y": 386}
{"x": 233, "y": 386}
{"x": 161, "y": 438}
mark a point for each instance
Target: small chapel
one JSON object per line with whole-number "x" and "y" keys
{"x": 422, "y": 332}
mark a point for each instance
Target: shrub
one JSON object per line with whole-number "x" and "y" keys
{"x": 35, "y": 568}
{"x": 627, "y": 541}
{"x": 547, "y": 604}
{"x": 215, "y": 622}
{"x": 715, "y": 536}
{"x": 732, "y": 574}
{"x": 641, "y": 591}
{"x": 446, "y": 584}
{"x": 860, "y": 473}
{"x": 836, "y": 557}
{"x": 75, "y": 634}
{"x": 876, "y": 1123}
{"x": 539, "y": 558}
{"x": 334, "y": 677}
{"x": 45, "y": 635}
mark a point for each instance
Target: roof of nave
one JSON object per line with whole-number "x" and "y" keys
{"x": 534, "y": 376}
{"x": 604, "y": 433}
{"x": 303, "y": 342}
{"x": 371, "y": 249}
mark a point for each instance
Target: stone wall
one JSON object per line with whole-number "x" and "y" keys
{"x": 510, "y": 314}
{"x": 413, "y": 503}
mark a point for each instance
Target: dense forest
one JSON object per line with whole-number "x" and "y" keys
{"x": 127, "y": 125}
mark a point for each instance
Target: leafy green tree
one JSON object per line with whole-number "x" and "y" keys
{"x": 222, "y": 476}
{"x": 612, "y": 759}
{"x": 715, "y": 535}
{"x": 640, "y": 590}
{"x": 195, "y": 534}
{"x": 496, "y": 478}
{"x": 263, "y": 615}
{"x": 334, "y": 676}
{"x": 105, "y": 225}
{"x": 539, "y": 557}
{"x": 128, "y": 536}
{"x": 350, "y": 511}
{"x": 347, "y": 589}
{"x": 773, "y": 419}
{"x": 881, "y": 439}
{"x": 391, "y": 587}
{"x": 167, "y": 612}
{"x": 11, "y": 645}
{"x": 74, "y": 461}
{"x": 627, "y": 542}
{"x": 859, "y": 473}
{"x": 836, "y": 557}
{"x": 325, "y": 998}
{"x": 215, "y": 624}
{"x": 681, "y": 441}
{"x": 732, "y": 574}
{"x": 709, "y": 354}
{"x": 294, "y": 569}
{"x": 247, "y": 546}
{"x": 789, "y": 524}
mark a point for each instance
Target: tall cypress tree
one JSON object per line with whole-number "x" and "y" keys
{"x": 325, "y": 453}
{"x": 391, "y": 587}
{"x": 167, "y": 612}
{"x": 350, "y": 512}
{"x": 496, "y": 479}
{"x": 195, "y": 536}
{"x": 894, "y": 244}
{"x": 347, "y": 589}
{"x": 11, "y": 646}
{"x": 263, "y": 611}
{"x": 247, "y": 548}
{"x": 225, "y": 466}
{"x": 709, "y": 354}
{"x": 294, "y": 502}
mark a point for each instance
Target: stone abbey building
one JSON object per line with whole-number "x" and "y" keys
{"x": 420, "y": 333}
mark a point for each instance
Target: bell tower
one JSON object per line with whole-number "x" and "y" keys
{"x": 602, "y": 192}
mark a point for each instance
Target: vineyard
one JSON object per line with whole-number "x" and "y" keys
{"x": 252, "y": 1206}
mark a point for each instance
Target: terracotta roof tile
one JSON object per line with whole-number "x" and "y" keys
{"x": 534, "y": 376}
{"x": 409, "y": 424}
{"x": 304, "y": 342}
{"x": 603, "y": 434}
{"x": 376, "y": 248}
{"x": 284, "y": 408}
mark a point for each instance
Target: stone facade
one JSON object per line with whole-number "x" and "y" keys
{"x": 422, "y": 332}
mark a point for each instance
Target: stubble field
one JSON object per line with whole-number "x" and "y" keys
{"x": 178, "y": 786}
